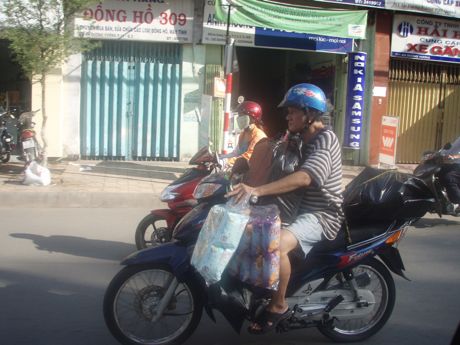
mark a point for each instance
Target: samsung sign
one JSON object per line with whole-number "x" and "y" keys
{"x": 355, "y": 100}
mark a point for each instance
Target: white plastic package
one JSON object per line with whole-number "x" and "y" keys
{"x": 38, "y": 175}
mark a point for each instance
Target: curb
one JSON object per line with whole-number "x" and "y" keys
{"x": 80, "y": 199}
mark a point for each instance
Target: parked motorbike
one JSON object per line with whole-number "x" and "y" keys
{"x": 6, "y": 139}
{"x": 343, "y": 287}
{"x": 157, "y": 226}
{"x": 430, "y": 166}
{"x": 30, "y": 147}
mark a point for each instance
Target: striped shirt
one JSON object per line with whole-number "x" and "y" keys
{"x": 323, "y": 198}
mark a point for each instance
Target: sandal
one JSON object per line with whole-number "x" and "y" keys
{"x": 267, "y": 321}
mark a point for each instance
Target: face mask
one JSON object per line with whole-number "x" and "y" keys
{"x": 243, "y": 121}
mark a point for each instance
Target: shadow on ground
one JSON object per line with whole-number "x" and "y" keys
{"x": 78, "y": 246}
{"x": 432, "y": 222}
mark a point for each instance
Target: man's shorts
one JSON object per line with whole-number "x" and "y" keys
{"x": 307, "y": 229}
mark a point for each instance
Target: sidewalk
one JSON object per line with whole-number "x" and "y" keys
{"x": 100, "y": 183}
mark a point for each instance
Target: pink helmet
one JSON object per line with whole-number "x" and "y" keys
{"x": 252, "y": 109}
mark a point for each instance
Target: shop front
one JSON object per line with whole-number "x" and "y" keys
{"x": 269, "y": 60}
{"x": 424, "y": 83}
{"x": 132, "y": 86}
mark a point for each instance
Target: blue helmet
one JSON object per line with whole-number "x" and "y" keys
{"x": 305, "y": 96}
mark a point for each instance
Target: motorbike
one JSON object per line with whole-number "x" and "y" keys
{"x": 30, "y": 147}
{"x": 6, "y": 139}
{"x": 430, "y": 166}
{"x": 343, "y": 287}
{"x": 156, "y": 227}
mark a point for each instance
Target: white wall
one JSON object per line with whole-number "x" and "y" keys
{"x": 192, "y": 91}
{"x": 71, "y": 106}
{"x": 53, "y": 109}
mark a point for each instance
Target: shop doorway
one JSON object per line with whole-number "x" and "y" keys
{"x": 264, "y": 75}
{"x": 425, "y": 97}
{"x": 130, "y": 104}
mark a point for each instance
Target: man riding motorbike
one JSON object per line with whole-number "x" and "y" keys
{"x": 320, "y": 174}
{"x": 249, "y": 121}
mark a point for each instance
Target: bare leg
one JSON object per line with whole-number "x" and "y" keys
{"x": 288, "y": 243}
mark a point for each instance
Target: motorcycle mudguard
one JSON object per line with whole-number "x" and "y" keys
{"x": 171, "y": 254}
{"x": 391, "y": 257}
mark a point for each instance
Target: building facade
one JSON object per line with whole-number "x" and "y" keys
{"x": 151, "y": 89}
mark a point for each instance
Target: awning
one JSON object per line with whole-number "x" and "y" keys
{"x": 294, "y": 18}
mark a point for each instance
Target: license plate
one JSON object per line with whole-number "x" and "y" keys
{"x": 27, "y": 144}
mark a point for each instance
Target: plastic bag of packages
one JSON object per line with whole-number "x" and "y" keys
{"x": 35, "y": 174}
{"x": 257, "y": 259}
{"x": 219, "y": 238}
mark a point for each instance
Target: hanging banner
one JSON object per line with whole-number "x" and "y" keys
{"x": 294, "y": 18}
{"x": 137, "y": 21}
{"x": 426, "y": 38}
{"x": 446, "y": 8}
{"x": 214, "y": 32}
{"x": 388, "y": 137}
{"x": 355, "y": 100}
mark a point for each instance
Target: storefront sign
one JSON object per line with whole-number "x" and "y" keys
{"x": 355, "y": 99}
{"x": 446, "y": 8}
{"x": 294, "y": 18}
{"x": 388, "y": 136}
{"x": 214, "y": 32}
{"x": 426, "y": 38}
{"x": 150, "y": 20}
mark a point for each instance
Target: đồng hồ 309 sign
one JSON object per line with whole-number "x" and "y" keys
{"x": 355, "y": 99}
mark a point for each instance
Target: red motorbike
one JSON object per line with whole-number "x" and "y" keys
{"x": 30, "y": 147}
{"x": 157, "y": 226}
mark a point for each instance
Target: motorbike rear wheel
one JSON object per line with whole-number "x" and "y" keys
{"x": 5, "y": 158}
{"x": 382, "y": 285}
{"x": 152, "y": 231}
{"x": 131, "y": 305}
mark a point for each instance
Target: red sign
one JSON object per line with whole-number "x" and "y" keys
{"x": 389, "y": 133}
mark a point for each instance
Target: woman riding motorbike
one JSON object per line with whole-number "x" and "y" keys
{"x": 249, "y": 121}
{"x": 320, "y": 174}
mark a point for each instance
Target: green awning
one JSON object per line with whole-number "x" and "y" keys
{"x": 303, "y": 19}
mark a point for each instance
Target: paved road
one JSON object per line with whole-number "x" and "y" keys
{"x": 56, "y": 263}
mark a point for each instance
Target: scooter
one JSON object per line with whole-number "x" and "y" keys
{"x": 430, "y": 167}
{"x": 157, "y": 226}
{"x": 30, "y": 147}
{"x": 343, "y": 287}
{"x": 6, "y": 139}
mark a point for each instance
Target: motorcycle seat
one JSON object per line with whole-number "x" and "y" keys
{"x": 358, "y": 233}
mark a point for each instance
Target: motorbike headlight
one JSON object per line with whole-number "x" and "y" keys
{"x": 170, "y": 193}
{"x": 204, "y": 190}
{"x": 7, "y": 140}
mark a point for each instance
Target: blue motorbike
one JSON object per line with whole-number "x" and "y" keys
{"x": 343, "y": 287}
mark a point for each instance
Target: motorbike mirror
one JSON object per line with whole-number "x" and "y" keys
{"x": 447, "y": 146}
{"x": 240, "y": 99}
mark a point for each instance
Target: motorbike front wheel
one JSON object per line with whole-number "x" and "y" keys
{"x": 382, "y": 286}
{"x": 134, "y": 297}
{"x": 152, "y": 231}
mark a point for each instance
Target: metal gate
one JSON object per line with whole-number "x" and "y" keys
{"x": 130, "y": 102}
{"x": 426, "y": 97}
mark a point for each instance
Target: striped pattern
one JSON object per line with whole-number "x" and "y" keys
{"x": 324, "y": 197}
